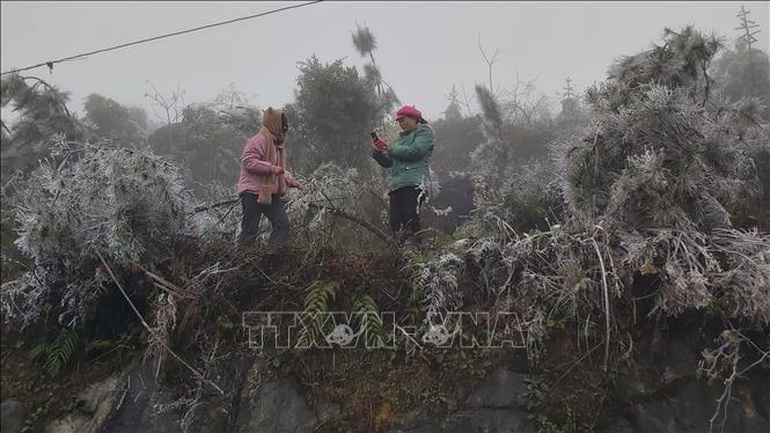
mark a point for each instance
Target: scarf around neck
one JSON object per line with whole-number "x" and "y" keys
{"x": 272, "y": 130}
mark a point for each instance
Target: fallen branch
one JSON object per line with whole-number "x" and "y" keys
{"x": 331, "y": 208}
{"x": 166, "y": 285}
{"x": 365, "y": 224}
{"x": 214, "y": 205}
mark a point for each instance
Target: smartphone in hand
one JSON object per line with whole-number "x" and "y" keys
{"x": 379, "y": 144}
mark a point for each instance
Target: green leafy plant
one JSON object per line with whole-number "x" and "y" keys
{"x": 370, "y": 321}
{"x": 535, "y": 392}
{"x": 225, "y": 323}
{"x": 57, "y": 353}
{"x": 316, "y": 303}
{"x": 545, "y": 425}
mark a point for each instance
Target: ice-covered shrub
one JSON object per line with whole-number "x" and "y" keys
{"x": 656, "y": 185}
{"x": 88, "y": 200}
{"x": 656, "y": 154}
{"x": 330, "y": 189}
{"x": 726, "y": 270}
{"x": 436, "y": 283}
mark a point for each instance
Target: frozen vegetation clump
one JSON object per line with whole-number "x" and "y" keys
{"x": 86, "y": 202}
{"x": 655, "y": 189}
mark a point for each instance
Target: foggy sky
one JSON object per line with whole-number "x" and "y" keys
{"x": 423, "y": 47}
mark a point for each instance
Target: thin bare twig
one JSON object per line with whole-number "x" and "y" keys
{"x": 605, "y": 292}
{"x": 730, "y": 349}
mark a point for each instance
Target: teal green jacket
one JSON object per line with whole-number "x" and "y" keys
{"x": 408, "y": 158}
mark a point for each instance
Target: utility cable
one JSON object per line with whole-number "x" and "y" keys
{"x": 50, "y": 63}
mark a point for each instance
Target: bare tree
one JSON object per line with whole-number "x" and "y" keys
{"x": 466, "y": 102}
{"x": 490, "y": 62}
{"x": 522, "y": 102}
{"x": 168, "y": 107}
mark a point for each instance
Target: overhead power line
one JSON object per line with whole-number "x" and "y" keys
{"x": 50, "y": 63}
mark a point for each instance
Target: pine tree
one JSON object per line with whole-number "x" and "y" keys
{"x": 452, "y": 111}
{"x": 653, "y": 155}
{"x": 366, "y": 43}
{"x": 42, "y": 116}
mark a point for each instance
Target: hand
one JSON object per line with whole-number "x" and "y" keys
{"x": 276, "y": 169}
{"x": 379, "y": 144}
{"x": 293, "y": 183}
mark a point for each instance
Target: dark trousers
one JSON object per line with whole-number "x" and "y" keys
{"x": 404, "y": 214}
{"x": 252, "y": 215}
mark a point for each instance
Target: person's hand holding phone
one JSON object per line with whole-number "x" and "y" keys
{"x": 378, "y": 143}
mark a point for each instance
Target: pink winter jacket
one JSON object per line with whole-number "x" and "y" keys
{"x": 254, "y": 166}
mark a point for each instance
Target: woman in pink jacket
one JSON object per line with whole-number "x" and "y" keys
{"x": 264, "y": 180}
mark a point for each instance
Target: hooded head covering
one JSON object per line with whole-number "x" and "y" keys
{"x": 275, "y": 122}
{"x": 274, "y": 126}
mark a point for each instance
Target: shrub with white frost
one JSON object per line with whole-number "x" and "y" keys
{"x": 87, "y": 200}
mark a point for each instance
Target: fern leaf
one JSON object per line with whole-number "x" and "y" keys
{"x": 370, "y": 320}
{"x": 316, "y": 303}
{"x": 39, "y": 351}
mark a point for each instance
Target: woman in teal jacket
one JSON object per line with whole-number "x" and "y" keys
{"x": 408, "y": 160}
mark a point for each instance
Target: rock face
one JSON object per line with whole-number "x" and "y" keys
{"x": 146, "y": 407}
{"x": 138, "y": 387}
{"x": 93, "y": 407}
{"x": 132, "y": 402}
{"x": 278, "y": 407}
{"x": 511, "y": 420}
{"x": 12, "y": 416}
{"x": 489, "y": 421}
{"x": 691, "y": 410}
{"x": 500, "y": 390}
{"x": 496, "y": 406}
